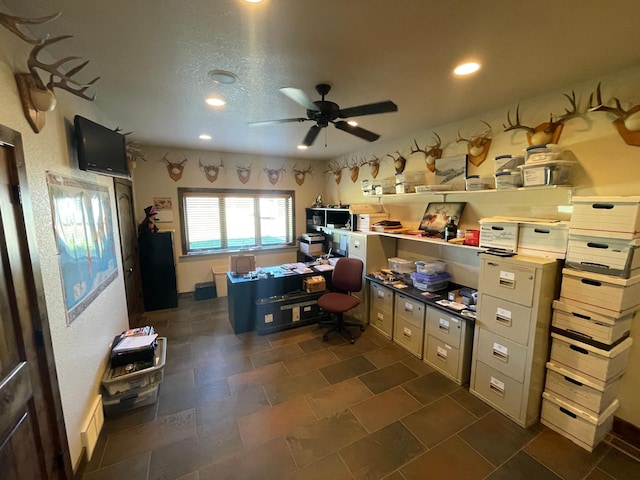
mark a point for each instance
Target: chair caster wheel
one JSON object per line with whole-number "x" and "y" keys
{"x": 362, "y": 328}
{"x": 352, "y": 341}
{"x": 325, "y": 338}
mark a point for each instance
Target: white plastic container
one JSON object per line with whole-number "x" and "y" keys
{"x": 401, "y": 265}
{"x": 508, "y": 179}
{"x": 476, "y": 182}
{"x": 507, "y": 162}
{"x": 558, "y": 172}
{"x": 543, "y": 153}
{"x": 430, "y": 267}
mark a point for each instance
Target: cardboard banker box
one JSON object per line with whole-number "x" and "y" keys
{"x": 315, "y": 284}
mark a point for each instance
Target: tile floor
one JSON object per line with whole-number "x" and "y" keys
{"x": 290, "y": 406}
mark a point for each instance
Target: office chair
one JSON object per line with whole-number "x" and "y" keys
{"x": 346, "y": 278}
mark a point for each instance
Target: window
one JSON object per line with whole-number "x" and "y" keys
{"x": 226, "y": 219}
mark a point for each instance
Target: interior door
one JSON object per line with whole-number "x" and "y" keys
{"x": 129, "y": 247}
{"x": 32, "y": 438}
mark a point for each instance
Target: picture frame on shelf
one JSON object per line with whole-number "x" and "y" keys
{"x": 437, "y": 215}
{"x": 452, "y": 171}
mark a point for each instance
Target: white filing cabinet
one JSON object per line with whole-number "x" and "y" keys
{"x": 447, "y": 344}
{"x": 408, "y": 323}
{"x": 373, "y": 250}
{"x": 511, "y": 340}
{"x": 381, "y": 309}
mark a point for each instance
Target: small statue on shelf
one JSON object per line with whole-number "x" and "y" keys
{"x": 318, "y": 202}
{"x": 148, "y": 225}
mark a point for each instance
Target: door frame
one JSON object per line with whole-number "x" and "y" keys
{"x": 38, "y": 329}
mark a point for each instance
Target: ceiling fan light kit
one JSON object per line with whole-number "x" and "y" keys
{"x": 324, "y": 112}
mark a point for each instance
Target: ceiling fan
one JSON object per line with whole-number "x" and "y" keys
{"x": 324, "y": 112}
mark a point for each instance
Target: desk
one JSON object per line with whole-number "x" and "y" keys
{"x": 242, "y": 293}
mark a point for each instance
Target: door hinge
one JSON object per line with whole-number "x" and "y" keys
{"x": 15, "y": 191}
{"x": 38, "y": 337}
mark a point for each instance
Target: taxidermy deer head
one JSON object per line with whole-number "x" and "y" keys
{"x": 398, "y": 163}
{"x": 134, "y": 151}
{"x": 431, "y": 152}
{"x": 627, "y": 122}
{"x": 175, "y": 169}
{"x": 548, "y": 132}
{"x": 336, "y": 169}
{"x": 374, "y": 165}
{"x": 274, "y": 174}
{"x": 354, "y": 169}
{"x": 477, "y": 147}
{"x": 244, "y": 173}
{"x": 36, "y": 94}
{"x": 211, "y": 171}
{"x": 299, "y": 175}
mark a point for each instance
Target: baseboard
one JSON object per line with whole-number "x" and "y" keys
{"x": 626, "y": 436}
{"x": 81, "y": 466}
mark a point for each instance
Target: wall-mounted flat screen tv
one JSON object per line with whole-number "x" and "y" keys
{"x": 100, "y": 149}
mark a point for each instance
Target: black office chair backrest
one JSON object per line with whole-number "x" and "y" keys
{"x": 347, "y": 274}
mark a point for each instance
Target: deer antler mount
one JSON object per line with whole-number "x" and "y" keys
{"x": 175, "y": 169}
{"x": 431, "y": 152}
{"x": 244, "y": 173}
{"x": 36, "y": 94}
{"x": 336, "y": 169}
{"x": 627, "y": 122}
{"x": 398, "y": 163}
{"x": 374, "y": 165}
{"x": 210, "y": 171}
{"x": 274, "y": 174}
{"x": 299, "y": 175}
{"x": 478, "y": 146}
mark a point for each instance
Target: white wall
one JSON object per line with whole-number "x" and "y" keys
{"x": 152, "y": 180}
{"x": 81, "y": 348}
{"x": 607, "y": 166}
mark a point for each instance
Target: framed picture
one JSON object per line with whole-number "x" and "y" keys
{"x": 451, "y": 171}
{"x": 438, "y": 214}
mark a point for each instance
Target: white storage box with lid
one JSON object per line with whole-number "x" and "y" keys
{"x": 507, "y": 162}
{"x": 599, "y": 293}
{"x": 578, "y": 390}
{"x": 430, "y": 267}
{"x": 115, "y": 382}
{"x": 543, "y": 153}
{"x": 477, "y": 182}
{"x": 579, "y": 426}
{"x": 366, "y": 220}
{"x": 137, "y": 398}
{"x": 612, "y": 217}
{"x": 592, "y": 327}
{"x": 499, "y": 233}
{"x": 430, "y": 283}
{"x": 597, "y": 365}
{"x": 400, "y": 265}
{"x": 610, "y": 256}
{"x": 311, "y": 244}
{"x": 558, "y": 172}
{"x": 406, "y": 182}
{"x": 508, "y": 179}
{"x": 543, "y": 239}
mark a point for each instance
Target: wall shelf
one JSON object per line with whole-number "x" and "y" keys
{"x": 443, "y": 194}
{"x": 432, "y": 240}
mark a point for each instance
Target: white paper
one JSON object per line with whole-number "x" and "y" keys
{"x": 134, "y": 342}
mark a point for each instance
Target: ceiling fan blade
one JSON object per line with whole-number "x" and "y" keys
{"x": 369, "y": 109}
{"x": 311, "y": 135}
{"x": 300, "y": 98}
{"x": 357, "y": 131}
{"x": 273, "y": 122}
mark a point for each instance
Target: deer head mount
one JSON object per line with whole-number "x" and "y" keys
{"x": 36, "y": 94}
{"x": 478, "y": 146}
{"x": 627, "y": 122}
{"x": 399, "y": 163}
{"x": 134, "y": 151}
{"x": 548, "y": 132}
{"x": 299, "y": 175}
{"x": 354, "y": 169}
{"x": 175, "y": 169}
{"x": 274, "y": 174}
{"x": 374, "y": 165}
{"x": 210, "y": 171}
{"x": 244, "y": 173}
{"x": 431, "y": 152}
{"x": 336, "y": 169}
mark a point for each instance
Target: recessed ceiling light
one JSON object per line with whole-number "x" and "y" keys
{"x": 205, "y": 136}
{"x": 223, "y": 76}
{"x": 215, "y": 102}
{"x": 353, "y": 123}
{"x": 302, "y": 147}
{"x": 253, "y": 1}
{"x": 467, "y": 68}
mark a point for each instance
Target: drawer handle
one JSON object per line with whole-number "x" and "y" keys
{"x": 441, "y": 356}
{"x": 496, "y": 389}
{"x": 503, "y": 320}
{"x": 594, "y": 264}
{"x": 540, "y": 230}
{"x": 579, "y": 315}
{"x": 594, "y": 283}
{"x": 492, "y": 264}
{"x": 494, "y": 227}
{"x": 443, "y": 328}
{"x": 575, "y": 382}
{"x": 597, "y": 245}
{"x": 602, "y": 206}
{"x": 504, "y": 357}
{"x": 408, "y": 335}
{"x": 567, "y": 412}
{"x": 581, "y": 350}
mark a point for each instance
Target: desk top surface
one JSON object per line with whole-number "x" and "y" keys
{"x": 279, "y": 271}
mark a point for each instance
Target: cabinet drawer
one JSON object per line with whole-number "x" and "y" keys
{"x": 412, "y": 311}
{"x": 444, "y": 326}
{"x": 357, "y": 245}
{"x": 443, "y": 356}
{"x": 505, "y": 318}
{"x": 381, "y": 297}
{"x": 408, "y": 335}
{"x": 501, "y": 354}
{"x": 500, "y": 390}
{"x": 504, "y": 279}
{"x": 381, "y": 320}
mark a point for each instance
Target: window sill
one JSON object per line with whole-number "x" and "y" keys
{"x": 247, "y": 251}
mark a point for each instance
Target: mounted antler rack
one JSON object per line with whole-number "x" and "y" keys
{"x": 431, "y": 152}
{"x": 175, "y": 169}
{"x": 36, "y": 95}
{"x": 478, "y": 146}
{"x": 299, "y": 175}
{"x": 627, "y": 122}
{"x": 336, "y": 169}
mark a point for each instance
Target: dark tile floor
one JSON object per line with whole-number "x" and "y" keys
{"x": 290, "y": 406}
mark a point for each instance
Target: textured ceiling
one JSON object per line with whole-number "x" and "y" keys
{"x": 154, "y": 57}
